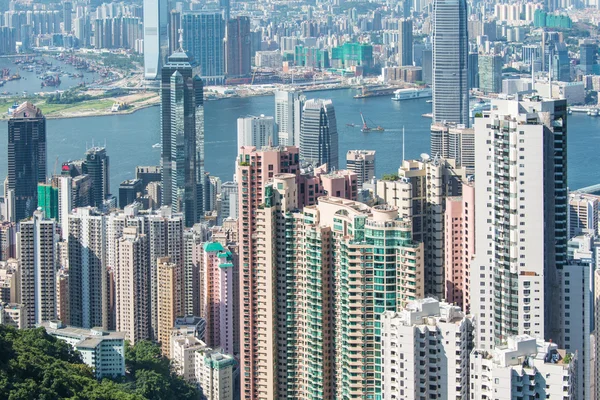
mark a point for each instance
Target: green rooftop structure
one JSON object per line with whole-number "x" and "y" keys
{"x": 48, "y": 200}
{"x": 311, "y": 57}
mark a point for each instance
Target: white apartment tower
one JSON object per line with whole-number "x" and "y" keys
{"x": 288, "y": 111}
{"x": 257, "y": 131}
{"x": 362, "y": 163}
{"x": 520, "y": 219}
{"x": 37, "y": 252}
{"x": 88, "y": 298}
{"x": 131, "y": 279}
{"x": 412, "y": 340}
{"x": 524, "y": 368}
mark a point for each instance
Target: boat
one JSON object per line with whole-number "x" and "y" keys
{"x": 413, "y": 93}
{"x": 366, "y": 128}
{"x": 352, "y": 125}
{"x": 156, "y": 145}
{"x": 593, "y": 112}
{"x": 12, "y": 108}
{"x": 429, "y": 101}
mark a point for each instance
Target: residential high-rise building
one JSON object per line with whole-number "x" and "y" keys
{"x": 182, "y": 119}
{"x": 288, "y": 114}
{"x": 203, "y": 36}
{"x": 8, "y": 240}
{"x": 156, "y": 37}
{"x": 428, "y": 327}
{"x": 63, "y": 312}
{"x": 405, "y": 42}
{"x": 256, "y": 131}
{"x": 88, "y": 299}
{"x": 420, "y": 192}
{"x": 219, "y": 285}
{"x": 490, "y": 73}
{"x": 214, "y": 374}
{"x": 256, "y": 382}
{"x": 524, "y": 366}
{"x": 520, "y": 151}
{"x": 318, "y": 134}
{"x": 26, "y": 158}
{"x": 362, "y": 163}
{"x": 132, "y": 305}
{"x": 450, "y": 52}
{"x": 96, "y": 165}
{"x": 37, "y": 253}
{"x": 459, "y": 246}
{"x": 229, "y": 200}
{"x": 10, "y": 281}
{"x": 584, "y": 211}
{"x": 65, "y": 204}
{"x": 454, "y": 141}
{"x": 237, "y": 47}
{"x": 168, "y": 294}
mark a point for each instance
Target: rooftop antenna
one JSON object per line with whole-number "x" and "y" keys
{"x": 402, "y": 142}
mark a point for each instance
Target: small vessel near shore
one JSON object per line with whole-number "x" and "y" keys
{"x": 156, "y": 146}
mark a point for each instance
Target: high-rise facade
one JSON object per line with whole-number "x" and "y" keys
{"x": 88, "y": 300}
{"x": 490, "y": 73}
{"x": 220, "y": 310}
{"x": 288, "y": 114}
{"x": 26, "y": 158}
{"x": 156, "y": 37}
{"x": 587, "y": 56}
{"x": 203, "y": 35}
{"x": 454, "y": 141}
{"x": 237, "y": 47}
{"x": 318, "y": 134}
{"x": 37, "y": 253}
{"x": 174, "y": 27}
{"x": 405, "y": 42}
{"x": 521, "y": 219}
{"x": 362, "y": 163}
{"x": 131, "y": 292}
{"x": 257, "y": 131}
{"x": 410, "y": 337}
{"x": 96, "y": 165}
{"x": 169, "y": 306}
{"x": 256, "y": 358}
{"x": 450, "y": 55}
{"x": 182, "y": 120}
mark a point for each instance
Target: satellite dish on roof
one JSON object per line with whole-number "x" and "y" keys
{"x": 425, "y": 157}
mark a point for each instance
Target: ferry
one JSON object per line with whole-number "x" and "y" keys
{"x": 409, "y": 94}
{"x": 156, "y": 145}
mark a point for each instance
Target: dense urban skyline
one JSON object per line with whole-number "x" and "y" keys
{"x": 316, "y": 271}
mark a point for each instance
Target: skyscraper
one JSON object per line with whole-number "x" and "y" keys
{"x": 131, "y": 292}
{"x": 67, "y": 16}
{"x": 182, "y": 137}
{"x": 405, "y": 42}
{"x": 156, "y": 37}
{"x": 450, "y": 55}
{"x": 490, "y": 73}
{"x": 203, "y": 35}
{"x": 88, "y": 300}
{"x": 318, "y": 134}
{"x": 256, "y": 131}
{"x": 362, "y": 163}
{"x": 174, "y": 27}
{"x": 587, "y": 56}
{"x": 37, "y": 252}
{"x": 96, "y": 165}
{"x": 454, "y": 141}
{"x": 237, "y": 47}
{"x": 521, "y": 219}
{"x": 169, "y": 292}
{"x": 26, "y": 158}
{"x": 288, "y": 113}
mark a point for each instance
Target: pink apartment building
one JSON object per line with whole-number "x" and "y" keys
{"x": 459, "y": 220}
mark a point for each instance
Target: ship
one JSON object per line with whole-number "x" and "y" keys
{"x": 366, "y": 128}
{"x": 409, "y": 94}
{"x": 51, "y": 81}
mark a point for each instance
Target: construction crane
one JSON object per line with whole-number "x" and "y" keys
{"x": 253, "y": 76}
